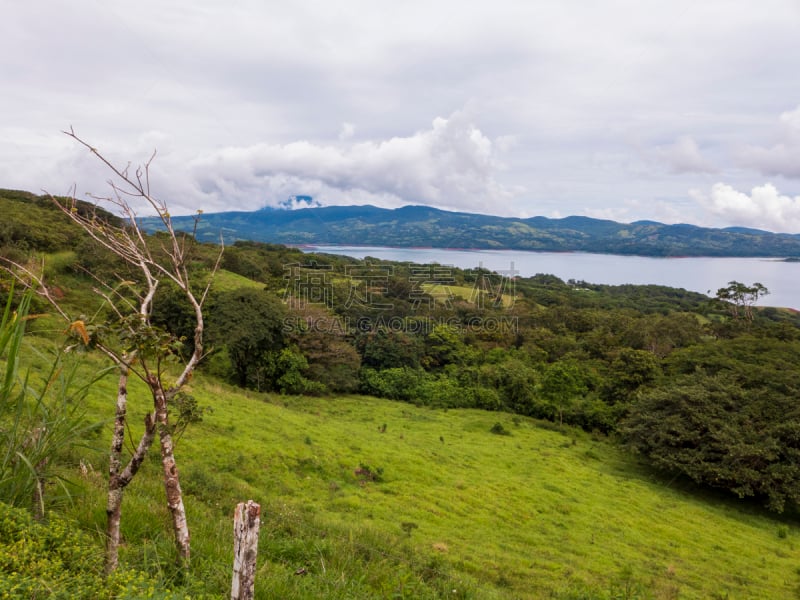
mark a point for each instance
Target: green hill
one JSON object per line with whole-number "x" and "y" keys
{"x": 407, "y": 227}
{"x": 430, "y": 227}
{"x": 451, "y": 509}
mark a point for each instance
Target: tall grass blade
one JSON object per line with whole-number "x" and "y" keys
{"x": 39, "y": 421}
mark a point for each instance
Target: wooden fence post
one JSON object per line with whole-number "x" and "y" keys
{"x": 246, "y": 521}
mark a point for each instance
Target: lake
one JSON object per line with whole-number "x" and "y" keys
{"x": 702, "y": 275}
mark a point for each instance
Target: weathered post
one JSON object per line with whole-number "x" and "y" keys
{"x": 246, "y": 521}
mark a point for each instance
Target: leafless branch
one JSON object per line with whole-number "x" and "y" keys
{"x": 33, "y": 281}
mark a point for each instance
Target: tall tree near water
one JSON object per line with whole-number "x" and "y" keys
{"x": 741, "y": 298}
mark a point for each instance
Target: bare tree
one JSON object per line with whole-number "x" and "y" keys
{"x": 133, "y": 343}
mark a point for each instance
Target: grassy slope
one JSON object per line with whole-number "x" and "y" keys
{"x": 535, "y": 514}
{"x": 226, "y": 281}
{"x": 539, "y": 513}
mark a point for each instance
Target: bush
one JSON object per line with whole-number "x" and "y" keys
{"x": 399, "y": 383}
{"x": 289, "y": 368}
{"x": 365, "y": 473}
{"x": 58, "y": 561}
{"x": 498, "y": 429}
{"x": 723, "y": 432}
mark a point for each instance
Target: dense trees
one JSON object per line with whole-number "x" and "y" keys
{"x": 726, "y": 415}
{"x": 721, "y": 432}
{"x": 248, "y": 324}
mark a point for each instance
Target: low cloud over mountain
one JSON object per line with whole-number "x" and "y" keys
{"x": 451, "y": 164}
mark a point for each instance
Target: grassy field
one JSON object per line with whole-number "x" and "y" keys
{"x": 369, "y": 498}
{"x": 226, "y": 281}
{"x": 441, "y": 292}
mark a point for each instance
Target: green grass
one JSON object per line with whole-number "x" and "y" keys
{"x": 540, "y": 513}
{"x": 227, "y": 281}
{"x": 466, "y": 292}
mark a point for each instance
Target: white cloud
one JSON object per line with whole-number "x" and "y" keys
{"x": 583, "y": 94}
{"x": 450, "y": 165}
{"x": 683, "y": 156}
{"x": 791, "y": 119}
{"x": 782, "y": 158}
{"x": 347, "y": 131}
{"x": 764, "y": 208}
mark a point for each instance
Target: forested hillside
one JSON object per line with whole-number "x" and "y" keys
{"x": 425, "y": 226}
{"x": 702, "y": 389}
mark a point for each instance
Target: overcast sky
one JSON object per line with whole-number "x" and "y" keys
{"x": 677, "y": 111}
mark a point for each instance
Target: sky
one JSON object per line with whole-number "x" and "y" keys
{"x": 674, "y": 111}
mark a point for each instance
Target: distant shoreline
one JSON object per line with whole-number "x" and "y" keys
{"x": 312, "y": 247}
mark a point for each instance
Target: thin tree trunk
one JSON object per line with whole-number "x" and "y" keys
{"x": 172, "y": 483}
{"x": 119, "y": 480}
{"x": 114, "y": 501}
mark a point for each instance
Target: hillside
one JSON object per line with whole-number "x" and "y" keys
{"x": 30, "y": 222}
{"x": 430, "y": 227}
{"x": 456, "y": 512}
{"x": 367, "y": 497}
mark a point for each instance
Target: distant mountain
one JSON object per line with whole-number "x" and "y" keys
{"x": 430, "y": 227}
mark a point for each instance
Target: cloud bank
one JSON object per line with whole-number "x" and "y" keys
{"x": 764, "y": 208}
{"x": 599, "y": 110}
{"x": 452, "y": 165}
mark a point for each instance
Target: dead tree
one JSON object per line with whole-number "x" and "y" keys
{"x": 134, "y": 344}
{"x": 246, "y": 522}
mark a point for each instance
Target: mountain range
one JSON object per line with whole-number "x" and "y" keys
{"x": 424, "y": 226}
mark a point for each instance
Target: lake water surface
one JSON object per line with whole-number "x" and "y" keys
{"x": 695, "y": 274}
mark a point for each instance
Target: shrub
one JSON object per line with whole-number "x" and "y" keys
{"x": 365, "y": 473}
{"x": 498, "y": 429}
{"x": 399, "y": 383}
{"x": 58, "y": 561}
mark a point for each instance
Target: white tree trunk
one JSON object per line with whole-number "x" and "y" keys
{"x": 172, "y": 484}
{"x": 119, "y": 478}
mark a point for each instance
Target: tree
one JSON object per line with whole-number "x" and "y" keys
{"x": 331, "y": 361}
{"x": 561, "y": 384}
{"x": 248, "y": 324}
{"x": 389, "y": 349}
{"x": 630, "y": 370}
{"x": 515, "y": 381}
{"x": 126, "y": 333}
{"x": 740, "y": 298}
{"x": 445, "y": 346}
{"x": 724, "y": 431}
